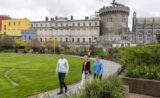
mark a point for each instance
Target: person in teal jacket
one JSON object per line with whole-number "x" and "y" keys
{"x": 98, "y": 68}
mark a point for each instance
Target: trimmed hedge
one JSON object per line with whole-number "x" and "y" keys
{"x": 140, "y": 61}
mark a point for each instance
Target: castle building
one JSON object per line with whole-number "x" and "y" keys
{"x": 114, "y": 22}
{"x": 145, "y": 29}
{"x": 68, "y": 31}
{"x": 13, "y": 27}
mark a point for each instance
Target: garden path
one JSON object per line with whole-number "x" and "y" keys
{"x": 109, "y": 69}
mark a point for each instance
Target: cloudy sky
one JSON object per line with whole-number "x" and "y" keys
{"x": 38, "y": 9}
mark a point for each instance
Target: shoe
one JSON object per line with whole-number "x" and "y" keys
{"x": 59, "y": 93}
{"x": 66, "y": 89}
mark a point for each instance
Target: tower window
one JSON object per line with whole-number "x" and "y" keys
{"x": 124, "y": 20}
{"x": 109, "y": 19}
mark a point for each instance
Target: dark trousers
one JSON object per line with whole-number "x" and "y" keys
{"x": 98, "y": 76}
{"x": 61, "y": 77}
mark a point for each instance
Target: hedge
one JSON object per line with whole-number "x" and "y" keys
{"x": 140, "y": 61}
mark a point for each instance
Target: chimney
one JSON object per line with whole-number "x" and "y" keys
{"x": 56, "y": 18}
{"x": 86, "y": 18}
{"x": 46, "y": 18}
{"x": 71, "y": 17}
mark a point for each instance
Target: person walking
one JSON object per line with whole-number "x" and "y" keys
{"x": 85, "y": 71}
{"x": 98, "y": 68}
{"x": 62, "y": 70}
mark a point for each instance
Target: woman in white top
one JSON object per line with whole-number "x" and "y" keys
{"x": 62, "y": 69}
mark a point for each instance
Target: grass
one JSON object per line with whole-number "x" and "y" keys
{"x": 34, "y": 73}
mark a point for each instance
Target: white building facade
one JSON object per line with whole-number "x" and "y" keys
{"x": 68, "y": 31}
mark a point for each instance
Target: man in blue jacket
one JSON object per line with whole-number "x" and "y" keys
{"x": 98, "y": 68}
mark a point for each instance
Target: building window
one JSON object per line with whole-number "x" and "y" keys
{"x": 89, "y": 40}
{"x": 84, "y": 40}
{"x": 90, "y": 24}
{"x": 66, "y": 39}
{"x": 29, "y": 37}
{"x": 31, "y": 25}
{"x": 67, "y": 24}
{"x": 73, "y": 24}
{"x": 36, "y": 25}
{"x": 25, "y": 37}
{"x": 40, "y": 39}
{"x": 78, "y": 24}
{"x": 124, "y": 20}
{"x": 72, "y": 39}
{"x": 96, "y": 23}
{"x": 9, "y": 23}
{"x": 19, "y": 23}
{"x": 109, "y": 19}
{"x": 140, "y": 36}
{"x": 46, "y": 25}
{"x": 50, "y": 24}
{"x": 4, "y": 27}
{"x": 78, "y": 40}
{"x": 149, "y": 36}
{"x": 84, "y": 24}
{"x": 61, "y": 24}
{"x": 14, "y": 23}
{"x": 41, "y": 25}
{"x": 95, "y": 38}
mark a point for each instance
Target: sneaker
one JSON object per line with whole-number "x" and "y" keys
{"x": 59, "y": 93}
{"x": 66, "y": 89}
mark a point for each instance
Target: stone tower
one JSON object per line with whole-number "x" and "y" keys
{"x": 114, "y": 19}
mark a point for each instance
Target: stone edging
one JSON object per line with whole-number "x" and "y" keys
{"x": 9, "y": 79}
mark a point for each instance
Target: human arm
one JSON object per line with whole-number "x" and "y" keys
{"x": 102, "y": 68}
{"x": 57, "y": 67}
{"x": 67, "y": 67}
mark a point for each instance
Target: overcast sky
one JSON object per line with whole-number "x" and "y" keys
{"x": 39, "y": 9}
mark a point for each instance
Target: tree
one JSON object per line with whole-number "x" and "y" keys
{"x": 52, "y": 45}
{"x": 158, "y": 37}
{"x": 19, "y": 43}
{"x": 34, "y": 43}
{"x": 6, "y": 42}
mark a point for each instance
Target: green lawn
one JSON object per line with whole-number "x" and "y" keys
{"x": 34, "y": 73}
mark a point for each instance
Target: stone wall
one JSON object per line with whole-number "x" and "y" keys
{"x": 143, "y": 86}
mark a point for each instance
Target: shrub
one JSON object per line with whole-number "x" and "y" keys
{"x": 100, "y": 52}
{"x": 111, "y": 87}
{"x": 140, "y": 61}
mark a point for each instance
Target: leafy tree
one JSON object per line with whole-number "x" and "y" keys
{"x": 6, "y": 42}
{"x": 158, "y": 37}
{"x": 50, "y": 44}
{"x": 20, "y": 43}
{"x": 34, "y": 43}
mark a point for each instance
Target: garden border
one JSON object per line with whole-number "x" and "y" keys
{"x": 143, "y": 86}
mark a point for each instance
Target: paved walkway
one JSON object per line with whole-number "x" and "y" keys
{"x": 109, "y": 69}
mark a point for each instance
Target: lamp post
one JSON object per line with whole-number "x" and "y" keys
{"x": 54, "y": 46}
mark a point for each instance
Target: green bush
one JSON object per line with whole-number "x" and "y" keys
{"x": 140, "y": 61}
{"x": 111, "y": 87}
{"x": 100, "y": 52}
{"x": 146, "y": 72}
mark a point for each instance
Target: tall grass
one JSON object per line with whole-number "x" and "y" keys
{"x": 111, "y": 87}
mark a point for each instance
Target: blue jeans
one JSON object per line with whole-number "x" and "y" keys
{"x": 61, "y": 77}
